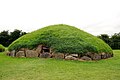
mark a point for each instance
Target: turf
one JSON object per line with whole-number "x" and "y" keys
{"x": 52, "y": 69}
{"x": 62, "y": 38}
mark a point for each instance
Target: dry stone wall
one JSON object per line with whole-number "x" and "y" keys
{"x": 38, "y": 52}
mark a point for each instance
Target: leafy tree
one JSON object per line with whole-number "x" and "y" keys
{"x": 6, "y": 37}
{"x": 105, "y": 38}
{"x": 113, "y": 42}
{"x": 16, "y": 34}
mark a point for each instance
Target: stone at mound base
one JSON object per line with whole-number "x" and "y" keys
{"x": 39, "y": 49}
{"x": 69, "y": 57}
{"x": 12, "y": 53}
{"x": 58, "y": 55}
{"x": 106, "y": 55}
{"x": 74, "y": 55}
{"x": 45, "y": 55}
{"x": 40, "y": 52}
{"x": 20, "y": 54}
{"x": 31, "y": 53}
{"x": 86, "y": 58}
{"x": 93, "y": 56}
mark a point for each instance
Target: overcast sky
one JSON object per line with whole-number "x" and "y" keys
{"x": 93, "y": 16}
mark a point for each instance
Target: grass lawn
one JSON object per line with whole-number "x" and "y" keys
{"x": 52, "y": 69}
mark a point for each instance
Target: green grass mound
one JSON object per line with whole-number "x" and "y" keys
{"x": 2, "y": 48}
{"x": 62, "y": 38}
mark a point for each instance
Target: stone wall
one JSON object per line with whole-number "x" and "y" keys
{"x": 37, "y": 52}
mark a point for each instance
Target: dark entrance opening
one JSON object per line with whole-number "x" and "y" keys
{"x": 45, "y": 49}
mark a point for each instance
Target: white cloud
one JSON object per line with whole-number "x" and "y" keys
{"x": 93, "y": 16}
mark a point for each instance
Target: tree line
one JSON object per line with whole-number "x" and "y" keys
{"x": 6, "y": 37}
{"x": 113, "y": 41}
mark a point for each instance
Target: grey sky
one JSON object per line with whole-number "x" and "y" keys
{"x": 93, "y": 16}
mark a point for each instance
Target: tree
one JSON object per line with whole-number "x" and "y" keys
{"x": 115, "y": 44}
{"x": 7, "y": 38}
{"x": 105, "y": 38}
{"x": 4, "y": 38}
{"x": 16, "y": 34}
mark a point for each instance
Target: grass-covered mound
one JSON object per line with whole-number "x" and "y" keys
{"x": 2, "y": 48}
{"x": 62, "y": 38}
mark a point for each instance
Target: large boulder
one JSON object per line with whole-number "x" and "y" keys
{"x": 106, "y": 55}
{"x": 20, "y": 54}
{"x": 70, "y": 58}
{"x": 86, "y": 58}
{"x": 103, "y": 55}
{"x": 58, "y": 55}
{"x": 93, "y": 56}
{"x": 45, "y": 55}
{"x": 39, "y": 49}
{"x": 31, "y": 53}
{"x": 12, "y": 53}
{"x": 74, "y": 55}
{"x": 96, "y": 56}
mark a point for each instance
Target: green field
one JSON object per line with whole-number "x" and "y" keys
{"x": 52, "y": 69}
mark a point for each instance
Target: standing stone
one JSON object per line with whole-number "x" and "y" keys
{"x": 39, "y": 49}
{"x": 51, "y": 51}
{"x": 31, "y": 53}
{"x": 20, "y": 54}
{"x": 12, "y": 53}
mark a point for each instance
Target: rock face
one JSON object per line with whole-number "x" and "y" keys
{"x": 20, "y": 54}
{"x": 31, "y": 53}
{"x": 46, "y": 52}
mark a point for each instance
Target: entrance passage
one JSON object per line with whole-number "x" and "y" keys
{"x": 45, "y": 49}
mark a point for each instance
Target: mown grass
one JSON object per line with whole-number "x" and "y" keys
{"x": 52, "y": 69}
{"x": 62, "y": 38}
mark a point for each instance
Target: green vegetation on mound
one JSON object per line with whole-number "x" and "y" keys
{"x": 2, "y": 48}
{"x": 62, "y": 38}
